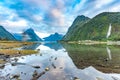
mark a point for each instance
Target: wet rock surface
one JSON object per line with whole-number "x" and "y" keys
{"x": 37, "y": 67}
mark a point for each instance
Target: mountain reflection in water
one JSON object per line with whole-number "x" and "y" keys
{"x": 72, "y": 61}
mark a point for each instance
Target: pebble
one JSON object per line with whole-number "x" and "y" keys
{"x": 15, "y": 77}
{"x": 2, "y": 66}
{"x": 16, "y": 59}
{"x": 98, "y": 78}
{"x": 47, "y": 69}
{"x": 76, "y": 78}
{"x": 56, "y": 58}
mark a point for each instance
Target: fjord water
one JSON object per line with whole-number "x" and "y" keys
{"x": 66, "y": 62}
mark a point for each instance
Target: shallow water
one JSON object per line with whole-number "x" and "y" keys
{"x": 66, "y": 62}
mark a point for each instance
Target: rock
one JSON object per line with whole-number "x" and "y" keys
{"x": 51, "y": 56}
{"x": 115, "y": 78}
{"x": 56, "y": 58}
{"x": 61, "y": 67}
{"x": 18, "y": 52}
{"x": 36, "y": 75}
{"x": 37, "y": 67}
{"x": 21, "y": 72}
{"x": 38, "y": 49}
{"x": 22, "y": 57}
{"x": 17, "y": 63}
{"x": 17, "y": 77}
{"x": 7, "y": 56}
{"x": 116, "y": 66}
{"x": 1, "y": 54}
{"x": 40, "y": 54}
{"x": 76, "y": 78}
{"x": 2, "y": 66}
{"x": 47, "y": 69}
{"x": 13, "y": 64}
{"x": 98, "y": 78}
{"x": 53, "y": 66}
{"x": 16, "y": 59}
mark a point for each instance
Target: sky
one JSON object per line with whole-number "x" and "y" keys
{"x": 49, "y": 16}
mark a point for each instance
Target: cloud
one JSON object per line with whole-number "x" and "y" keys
{"x": 100, "y": 4}
{"x": 50, "y": 16}
{"x": 42, "y": 35}
{"x": 11, "y": 21}
{"x": 94, "y": 7}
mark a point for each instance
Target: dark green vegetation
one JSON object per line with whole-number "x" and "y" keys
{"x": 78, "y": 23}
{"x": 5, "y": 35}
{"x": 96, "y": 28}
{"x": 96, "y": 55}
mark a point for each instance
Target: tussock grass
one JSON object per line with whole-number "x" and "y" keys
{"x": 13, "y": 44}
{"x": 17, "y": 52}
{"x": 6, "y": 48}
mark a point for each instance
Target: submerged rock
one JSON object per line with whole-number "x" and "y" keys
{"x": 37, "y": 67}
{"x": 17, "y": 63}
{"x": 115, "y": 78}
{"x": 16, "y": 59}
{"x": 2, "y": 66}
{"x": 56, "y": 58}
{"x": 17, "y": 77}
{"x": 76, "y": 78}
{"x": 53, "y": 66}
{"x": 98, "y": 78}
{"x": 36, "y": 75}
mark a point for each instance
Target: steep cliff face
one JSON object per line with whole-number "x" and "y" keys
{"x": 31, "y": 35}
{"x": 78, "y": 22}
{"x": 97, "y": 28}
{"x": 5, "y": 35}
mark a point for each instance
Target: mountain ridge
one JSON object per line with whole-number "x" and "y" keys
{"x": 31, "y": 35}
{"x": 54, "y": 37}
{"x": 97, "y": 28}
{"x": 5, "y": 35}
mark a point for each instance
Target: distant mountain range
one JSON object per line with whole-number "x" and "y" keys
{"x": 53, "y": 37}
{"x": 28, "y": 35}
{"x": 18, "y": 36}
{"x": 31, "y": 35}
{"x": 5, "y": 35}
{"x": 104, "y": 26}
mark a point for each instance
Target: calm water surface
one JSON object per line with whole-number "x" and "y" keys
{"x": 66, "y": 62}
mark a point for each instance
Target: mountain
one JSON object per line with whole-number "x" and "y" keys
{"x": 5, "y": 35}
{"x": 77, "y": 24}
{"x": 30, "y": 35}
{"x": 53, "y": 37}
{"x": 18, "y": 36}
{"x": 104, "y": 26}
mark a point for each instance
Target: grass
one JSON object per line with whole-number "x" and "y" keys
{"x": 6, "y": 48}
{"x": 2, "y": 62}
{"x": 16, "y": 52}
{"x": 13, "y": 44}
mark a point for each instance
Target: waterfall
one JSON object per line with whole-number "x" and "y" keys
{"x": 109, "y": 53}
{"x": 109, "y": 31}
